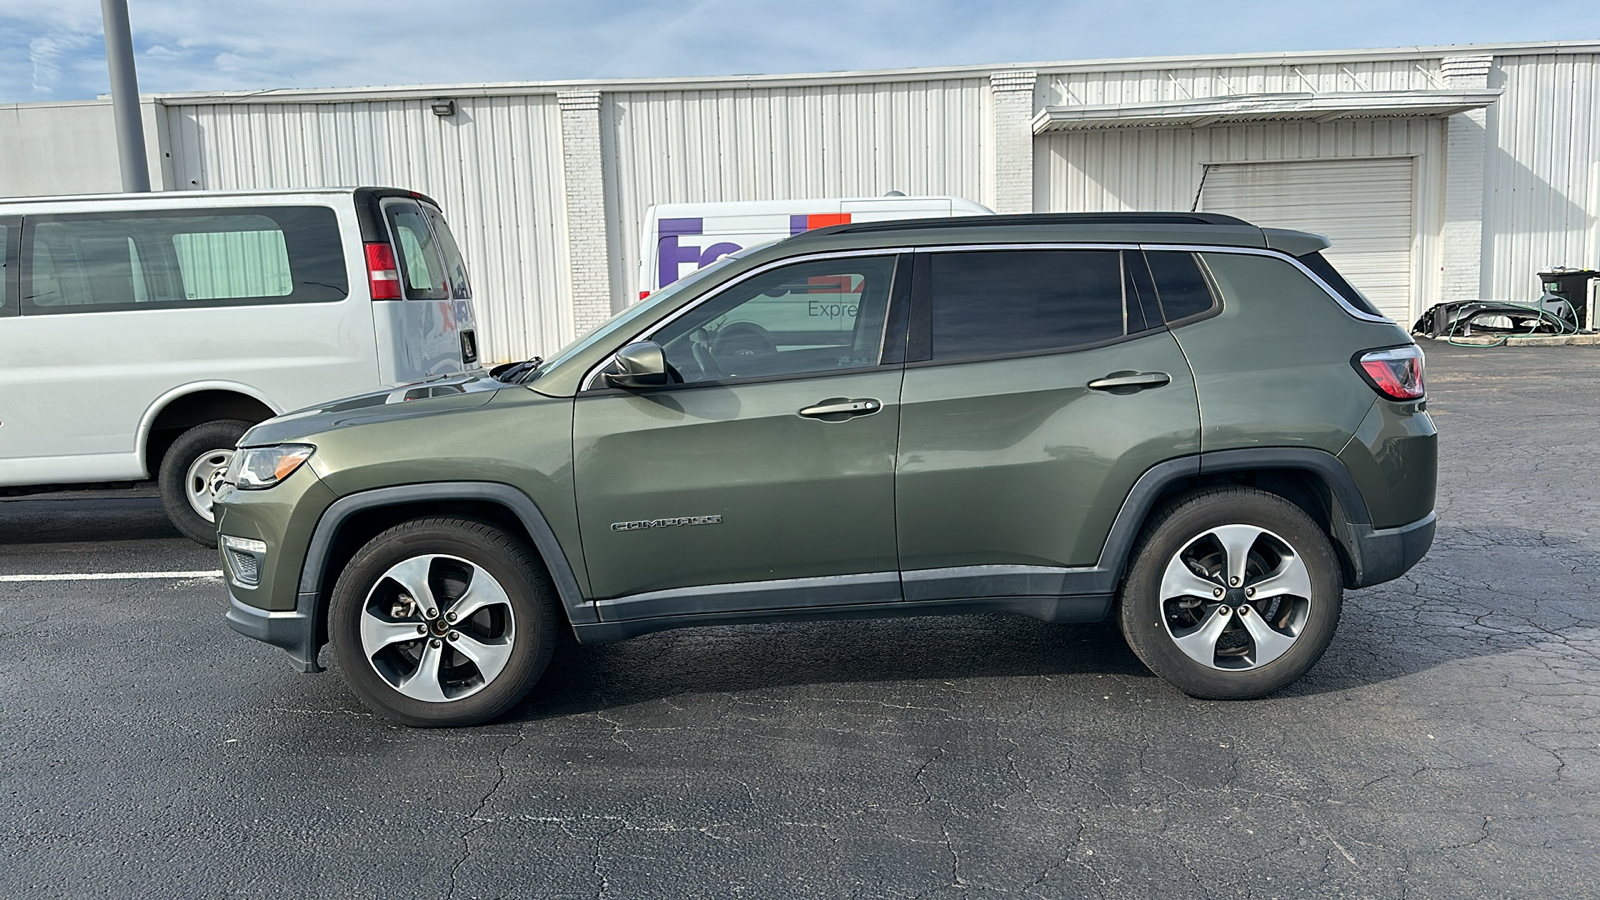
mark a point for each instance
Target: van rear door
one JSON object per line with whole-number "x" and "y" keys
{"x": 430, "y": 330}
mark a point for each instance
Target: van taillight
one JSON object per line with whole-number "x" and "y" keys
{"x": 382, "y": 275}
{"x": 1395, "y": 373}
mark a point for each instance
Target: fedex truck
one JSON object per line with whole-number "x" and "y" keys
{"x": 682, "y": 237}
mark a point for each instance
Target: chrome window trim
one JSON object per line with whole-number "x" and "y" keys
{"x": 1277, "y": 254}
{"x": 1056, "y": 245}
{"x": 593, "y": 375}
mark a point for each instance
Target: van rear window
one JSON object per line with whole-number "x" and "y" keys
{"x": 165, "y": 258}
{"x": 8, "y": 267}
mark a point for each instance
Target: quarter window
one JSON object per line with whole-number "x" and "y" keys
{"x": 1179, "y": 284}
{"x": 1000, "y": 302}
{"x": 810, "y": 317}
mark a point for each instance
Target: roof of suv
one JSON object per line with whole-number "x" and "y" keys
{"x": 1182, "y": 228}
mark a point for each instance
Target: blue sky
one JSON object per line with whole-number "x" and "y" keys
{"x": 53, "y": 49}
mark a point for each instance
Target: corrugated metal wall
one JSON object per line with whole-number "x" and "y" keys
{"x": 1542, "y": 199}
{"x": 1155, "y": 85}
{"x": 1161, "y": 168}
{"x": 850, "y": 140}
{"x": 495, "y": 166}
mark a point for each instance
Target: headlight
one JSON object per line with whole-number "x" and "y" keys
{"x": 257, "y": 468}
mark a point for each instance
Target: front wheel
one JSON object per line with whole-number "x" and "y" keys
{"x": 442, "y": 622}
{"x": 188, "y": 472}
{"x": 1232, "y": 594}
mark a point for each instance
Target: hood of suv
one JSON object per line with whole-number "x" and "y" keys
{"x": 403, "y": 402}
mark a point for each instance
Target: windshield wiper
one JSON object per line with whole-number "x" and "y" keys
{"x": 514, "y": 373}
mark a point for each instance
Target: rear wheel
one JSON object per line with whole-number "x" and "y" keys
{"x": 442, "y": 622}
{"x": 188, "y": 471}
{"x": 1232, "y": 594}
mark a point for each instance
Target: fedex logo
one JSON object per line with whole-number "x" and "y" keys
{"x": 681, "y": 241}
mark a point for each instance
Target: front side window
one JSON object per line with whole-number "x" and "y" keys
{"x": 112, "y": 261}
{"x": 810, "y": 317}
{"x": 1000, "y": 302}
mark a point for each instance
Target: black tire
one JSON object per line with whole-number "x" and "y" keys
{"x": 456, "y": 552}
{"x": 198, "y": 448}
{"x": 1233, "y": 663}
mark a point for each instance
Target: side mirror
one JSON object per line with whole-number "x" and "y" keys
{"x": 638, "y": 365}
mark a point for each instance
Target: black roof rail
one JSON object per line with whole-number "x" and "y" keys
{"x": 1094, "y": 218}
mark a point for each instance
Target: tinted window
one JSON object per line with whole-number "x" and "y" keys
{"x": 82, "y": 263}
{"x": 455, "y": 267}
{"x": 808, "y": 317}
{"x": 421, "y": 266}
{"x": 989, "y": 303}
{"x": 7, "y": 267}
{"x": 1179, "y": 284}
{"x": 1325, "y": 270}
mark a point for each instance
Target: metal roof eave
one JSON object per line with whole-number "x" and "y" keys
{"x": 1247, "y": 108}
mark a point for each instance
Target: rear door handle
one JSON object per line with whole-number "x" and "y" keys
{"x": 1129, "y": 382}
{"x": 836, "y": 409}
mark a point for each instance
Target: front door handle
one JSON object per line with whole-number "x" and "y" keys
{"x": 837, "y": 409}
{"x": 1129, "y": 382}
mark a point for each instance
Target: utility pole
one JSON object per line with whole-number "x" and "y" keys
{"x": 125, "y": 96}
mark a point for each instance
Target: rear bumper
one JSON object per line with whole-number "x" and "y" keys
{"x": 1384, "y": 554}
{"x": 293, "y": 631}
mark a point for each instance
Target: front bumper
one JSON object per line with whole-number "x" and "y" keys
{"x": 291, "y": 630}
{"x": 1384, "y": 554}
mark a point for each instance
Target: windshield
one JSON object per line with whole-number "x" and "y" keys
{"x": 622, "y": 319}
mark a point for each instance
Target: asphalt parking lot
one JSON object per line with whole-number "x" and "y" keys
{"x": 1448, "y": 745}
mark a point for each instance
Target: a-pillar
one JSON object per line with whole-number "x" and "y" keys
{"x": 586, "y": 204}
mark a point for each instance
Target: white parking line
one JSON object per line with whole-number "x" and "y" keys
{"x": 112, "y": 576}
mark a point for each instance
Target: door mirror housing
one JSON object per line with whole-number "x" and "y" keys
{"x": 640, "y": 364}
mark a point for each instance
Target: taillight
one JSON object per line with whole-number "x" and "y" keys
{"x": 1395, "y": 373}
{"x": 382, "y": 274}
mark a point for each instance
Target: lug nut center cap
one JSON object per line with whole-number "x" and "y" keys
{"x": 1235, "y": 598}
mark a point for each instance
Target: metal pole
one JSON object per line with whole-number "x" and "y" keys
{"x": 125, "y": 96}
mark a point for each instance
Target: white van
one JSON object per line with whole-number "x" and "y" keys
{"x": 682, "y": 237}
{"x": 141, "y": 334}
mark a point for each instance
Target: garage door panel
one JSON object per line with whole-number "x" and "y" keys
{"x": 1363, "y": 206}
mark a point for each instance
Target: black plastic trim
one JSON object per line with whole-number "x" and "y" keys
{"x": 1080, "y": 608}
{"x": 789, "y": 593}
{"x": 1324, "y": 464}
{"x": 291, "y": 631}
{"x": 298, "y": 631}
{"x": 1384, "y": 554}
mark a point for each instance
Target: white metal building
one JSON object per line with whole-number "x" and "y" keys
{"x": 1440, "y": 173}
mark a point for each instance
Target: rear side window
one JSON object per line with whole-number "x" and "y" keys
{"x": 163, "y": 259}
{"x": 1000, "y": 302}
{"x": 1325, "y": 270}
{"x": 422, "y": 268}
{"x": 1180, "y": 286}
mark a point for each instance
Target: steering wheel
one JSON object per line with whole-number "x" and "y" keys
{"x": 744, "y": 339}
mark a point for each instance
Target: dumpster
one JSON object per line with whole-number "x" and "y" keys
{"x": 1571, "y": 285}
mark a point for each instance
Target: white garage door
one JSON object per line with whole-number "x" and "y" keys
{"x": 1363, "y": 206}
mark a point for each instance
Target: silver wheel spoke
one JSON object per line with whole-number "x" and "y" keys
{"x": 1236, "y": 541}
{"x": 1270, "y": 644}
{"x": 482, "y": 591}
{"x": 197, "y": 481}
{"x": 1290, "y": 579}
{"x": 1200, "y": 644}
{"x": 377, "y": 634}
{"x": 423, "y": 684}
{"x": 490, "y": 658}
{"x": 413, "y": 576}
{"x": 1179, "y": 581}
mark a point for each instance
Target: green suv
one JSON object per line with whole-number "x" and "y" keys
{"x": 1182, "y": 421}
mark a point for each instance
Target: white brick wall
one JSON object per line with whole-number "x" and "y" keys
{"x": 1466, "y": 144}
{"x": 586, "y": 221}
{"x": 1012, "y": 92}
